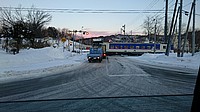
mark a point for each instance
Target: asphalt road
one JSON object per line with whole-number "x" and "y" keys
{"x": 128, "y": 80}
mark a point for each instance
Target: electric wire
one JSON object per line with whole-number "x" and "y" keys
{"x": 151, "y": 5}
{"x": 82, "y": 10}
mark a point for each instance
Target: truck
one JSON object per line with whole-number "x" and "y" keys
{"x": 97, "y": 51}
{"x": 95, "y": 54}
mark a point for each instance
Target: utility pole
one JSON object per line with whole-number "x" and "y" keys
{"x": 166, "y": 17}
{"x": 186, "y": 36}
{"x": 180, "y": 27}
{"x": 154, "y": 50}
{"x": 170, "y": 32}
{"x": 175, "y": 24}
{"x": 81, "y": 40}
{"x": 124, "y": 30}
{"x": 193, "y": 29}
{"x": 74, "y": 34}
{"x": 148, "y": 28}
{"x": 73, "y": 41}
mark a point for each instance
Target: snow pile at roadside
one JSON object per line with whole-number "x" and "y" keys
{"x": 37, "y": 61}
{"x": 188, "y": 61}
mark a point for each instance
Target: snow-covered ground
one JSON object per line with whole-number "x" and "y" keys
{"x": 188, "y": 61}
{"x": 37, "y": 62}
{"x": 40, "y": 62}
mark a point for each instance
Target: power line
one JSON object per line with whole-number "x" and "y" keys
{"x": 150, "y": 5}
{"x": 156, "y": 1}
{"x": 187, "y": 4}
{"x": 171, "y": 5}
{"x": 82, "y": 10}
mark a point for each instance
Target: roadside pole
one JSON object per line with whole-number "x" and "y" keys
{"x": 193, "y": 29}
{"x": 166, "y": 15}
{"x": 180, "y": 28}
{"x": 154, "y": 50}
{"x": 172, "y": 24}
{"x": 81, "y": 40}
{"x": 63, "y": 41}
{"x": 73, "y": 41}
{"x": 63, "y": 47}
{"x": 186, "y": 36}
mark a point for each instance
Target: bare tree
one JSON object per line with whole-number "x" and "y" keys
{"x": 36, "y": 19}
{"x": 30, "y": 21}
{"x": 11, "y": 16}
{"x": 11, "y": 19}
{"x": 149, "y": 25}
{"x": 159, "y": 26}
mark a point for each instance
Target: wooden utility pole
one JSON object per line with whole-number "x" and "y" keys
{"x": 166, "y": 17}
{"x": 193, "y": 29}
{"x": 186, "y": 36}
{"x": 180, "y": 27}
{"x": 175, "y": 28}
{"x": 154, "y": 50}
{"x": 170, "y": 32}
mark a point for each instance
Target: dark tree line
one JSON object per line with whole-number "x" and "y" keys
{"x": 18, "y": 24}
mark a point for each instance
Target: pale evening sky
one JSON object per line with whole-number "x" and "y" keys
{"x": 101, "y": 22}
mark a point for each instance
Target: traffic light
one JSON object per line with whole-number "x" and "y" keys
{"x": 186, "y": 13}
{"x": 85, "y": 33}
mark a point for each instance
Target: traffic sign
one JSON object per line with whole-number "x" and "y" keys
{"x": 63, "y": 39}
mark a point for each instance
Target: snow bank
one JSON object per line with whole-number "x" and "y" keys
{"x": 35, "y": 62}
{"x": 188, "y": 61}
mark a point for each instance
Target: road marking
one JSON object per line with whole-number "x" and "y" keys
{"x": 127, "y": 75}
{"x": 107, "y": 66}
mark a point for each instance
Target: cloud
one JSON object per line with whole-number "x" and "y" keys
{"x": 98, "y": 33}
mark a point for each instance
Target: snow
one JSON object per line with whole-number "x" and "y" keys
{"x": 41, "y": 62}
{"x": 188, "y": 61}
{"x": 36, "y": 62}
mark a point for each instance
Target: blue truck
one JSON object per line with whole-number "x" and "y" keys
{"x": 96, "y": 54}
{"x": 98, "y": 51}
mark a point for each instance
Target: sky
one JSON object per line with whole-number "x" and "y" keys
{"x": 101, "y": 23}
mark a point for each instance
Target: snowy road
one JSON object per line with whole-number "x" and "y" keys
{"x": 117, "y": 76}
